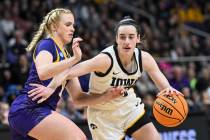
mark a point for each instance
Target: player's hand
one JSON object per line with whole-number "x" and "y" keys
{"x": 40, "y": 92}
{"x": 114, "y": 92}
{"x": 76, "y": 48}
{"x": 169, "y": 90}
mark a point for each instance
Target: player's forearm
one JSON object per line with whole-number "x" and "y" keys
{"x": 58, "y": 79}
{"x": 50, "y": 70}
{"x": 161, "y": 82}
{"x": 89, "y": 99}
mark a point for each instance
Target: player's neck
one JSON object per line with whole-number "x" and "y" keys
{"x": 125, "y": 59}
{"x": 58, "y": 41}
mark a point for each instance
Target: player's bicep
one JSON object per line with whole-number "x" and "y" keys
{"x": 102, "y": 63}
{"x": 151, "y": 67}
{"x": 43, "y": 59}
{"x": 149, "y": 64}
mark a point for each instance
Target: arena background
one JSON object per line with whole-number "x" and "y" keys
{"x": 176, "y": 33}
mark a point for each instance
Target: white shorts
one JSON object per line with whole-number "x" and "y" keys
{"x": 113, "y": 124}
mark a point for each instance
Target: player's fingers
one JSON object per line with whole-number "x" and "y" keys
{"x": 161, "y": 93}
{"x": 122, "y": 91}
{"x": 41, "y": 100}
{"x": 178, "y": 93}
{"x": 75, "y": 45}
{"x": 168, "y": 90}
{"x": 35, "y": 85}
{"x": 36, "y": 97}
{"x": 38, "y": 91}
{"x": 119, "y": 90}
{"x": 33, "y": 90}
{"x": 77, "y": 40}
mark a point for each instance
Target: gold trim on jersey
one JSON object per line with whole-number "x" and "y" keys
{"x": 60, "y": 47}
{"x": 57, "y": 55}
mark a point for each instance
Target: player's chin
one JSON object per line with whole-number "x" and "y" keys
{"x": 69, "y": 39}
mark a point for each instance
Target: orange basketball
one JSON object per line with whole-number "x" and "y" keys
{"x": 170, "y": 110}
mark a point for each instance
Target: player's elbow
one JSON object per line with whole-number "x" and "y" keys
{"x": 42, "y": 76}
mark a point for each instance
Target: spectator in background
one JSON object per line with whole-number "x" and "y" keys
{"x": 4, "y": 111}
{"x": 20, "y": 71}
{"x": 191, "y": 75}
{"x": 7, "y": 24}
{"x": 203, "y": 80}
{"x": 2, "y": 93}
{"x": 16, "y": 47}
{"x": 193, "y": 106}
{"x": 179, "y": 79}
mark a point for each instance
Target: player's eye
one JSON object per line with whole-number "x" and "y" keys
{"x": 122, "y": 37}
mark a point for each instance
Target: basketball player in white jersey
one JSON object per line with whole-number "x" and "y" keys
{"x": 118, "y": 65}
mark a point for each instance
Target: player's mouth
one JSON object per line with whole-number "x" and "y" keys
{"x": 70, "y": 35}
{"x": 127, "y": 48}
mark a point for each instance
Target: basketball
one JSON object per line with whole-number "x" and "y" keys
{"x": 170, "y": 110}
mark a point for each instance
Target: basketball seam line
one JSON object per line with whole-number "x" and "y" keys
{"x": 172, "y": 106}
{"x": 173, "y": 124}
{"x": 166, "y": 115}
{"x": 183, "y": 106}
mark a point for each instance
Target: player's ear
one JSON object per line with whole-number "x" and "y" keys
{"x": 54, "y": 27}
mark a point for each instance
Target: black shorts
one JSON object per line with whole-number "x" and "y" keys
{"x": 145, "y": 119}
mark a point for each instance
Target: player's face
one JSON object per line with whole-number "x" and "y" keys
{"x": 127, "y": 38}
{"x": 65, "y": 29}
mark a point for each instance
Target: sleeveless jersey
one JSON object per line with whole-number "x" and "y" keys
{"x": 22, "y": 100}
{"x": 116, "y": 75}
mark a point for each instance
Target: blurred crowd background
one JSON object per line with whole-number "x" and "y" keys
{"x": 175, "y": 32}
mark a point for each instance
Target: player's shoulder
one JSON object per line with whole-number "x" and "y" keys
{"x": 45, "y": 45}
{"x": 108, "y": 49}
{"x": 45, "y": 42}
{"x": 145, "y": 55}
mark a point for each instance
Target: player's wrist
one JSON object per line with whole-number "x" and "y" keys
{"x": 75, "y": 59}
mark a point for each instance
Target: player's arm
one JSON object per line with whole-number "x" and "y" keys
{"x": 99, "y": 63}
{"x": 87, "y": 99}
{"x": 47, "y": 69}
{"x": 151, "y": 67}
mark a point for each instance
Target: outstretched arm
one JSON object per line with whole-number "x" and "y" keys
{"x": 80, "y": 98}
{"x": 151, "y": 67}
{"x": 100, "y": 63}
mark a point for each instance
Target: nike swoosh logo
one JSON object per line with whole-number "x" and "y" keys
{"x": 115, "y": 73}
{"x": 137, "y": 104}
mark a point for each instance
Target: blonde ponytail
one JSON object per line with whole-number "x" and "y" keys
{"x": 51, "y": 17}
{"x": 37, "y": 36}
